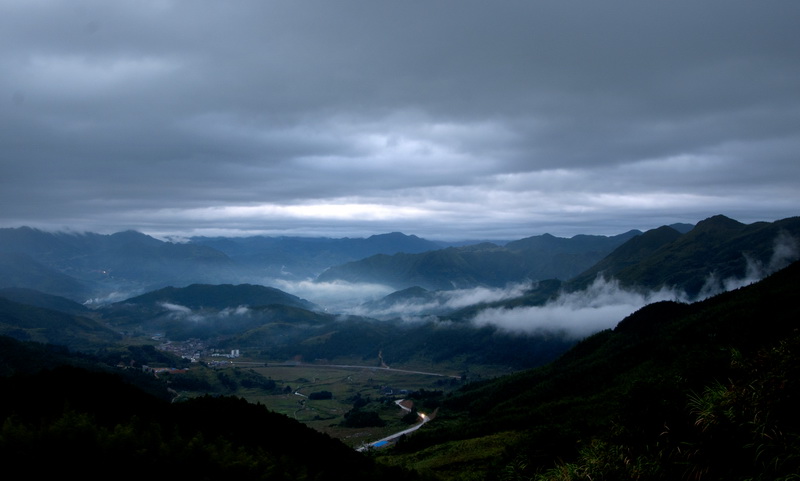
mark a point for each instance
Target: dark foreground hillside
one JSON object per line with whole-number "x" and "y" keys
{"x": 708, "y": 390}
{"x": 77, "y": 422}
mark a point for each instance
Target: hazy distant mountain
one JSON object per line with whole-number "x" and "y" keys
{"x": 72, "y": 265}
{"x": 304, "y": 257}
{"x": 487, "y": 264}
{"x": 414, "y": 294}
{"x": 22, "y": 271}
{"x": 717, "y": 250}
{"x": 682, "y": 228}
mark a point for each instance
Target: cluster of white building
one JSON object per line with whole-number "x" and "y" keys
{"x": 234, "y": 354}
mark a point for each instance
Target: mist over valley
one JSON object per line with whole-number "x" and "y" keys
{"x": 361, "y": 350}
{"x": 238, "y": 290}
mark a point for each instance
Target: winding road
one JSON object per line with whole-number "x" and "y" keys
{"x": 383, "y": 441}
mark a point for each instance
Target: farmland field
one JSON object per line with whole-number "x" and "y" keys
{"x": 377, "y": 388}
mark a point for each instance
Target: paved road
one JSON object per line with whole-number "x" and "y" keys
{"x": 394, "y": 436}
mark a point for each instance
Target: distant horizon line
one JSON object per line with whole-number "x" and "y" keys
{"x": 235, "y": 233}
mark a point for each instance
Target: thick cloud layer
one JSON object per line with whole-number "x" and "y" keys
{"x": 576, "y": 314}
{"x": 452, "y": 119}
{"x": 437, "y": 302}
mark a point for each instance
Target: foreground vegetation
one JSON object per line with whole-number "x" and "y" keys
{"x": 98, "y": 424}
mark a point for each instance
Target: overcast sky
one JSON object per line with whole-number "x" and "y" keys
{"x": 449, "y": 119}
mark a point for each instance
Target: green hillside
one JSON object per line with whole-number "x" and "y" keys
{"x": 40, "y": 299}
{"x": 717, "y": 250}
{"x": 30, "y": 323}
{"x": 676, "y": 391}
{"x": 199, "y": 296}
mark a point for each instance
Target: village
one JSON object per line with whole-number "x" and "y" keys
{"x": 196, "y": 350}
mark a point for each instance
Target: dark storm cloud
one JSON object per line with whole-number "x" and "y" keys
{"x": 444, "y": 119}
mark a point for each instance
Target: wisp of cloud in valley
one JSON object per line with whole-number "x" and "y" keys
{"x": 605, "y": 302}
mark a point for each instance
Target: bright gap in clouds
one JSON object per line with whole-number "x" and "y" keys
{"x": 325, "y": 211}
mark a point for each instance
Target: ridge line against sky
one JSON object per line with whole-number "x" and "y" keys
{"x": 448, "y": 120}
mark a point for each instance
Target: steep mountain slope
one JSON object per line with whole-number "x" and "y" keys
{"x": 629, "y": 254}
{"x": 40, "y": 299}
{"x": 535, "y": 258}
{"x": 29, "y": 323}
{"x": 716, "y": 251}
{"x": 670, "y": 393}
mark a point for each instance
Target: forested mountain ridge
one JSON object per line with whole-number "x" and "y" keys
{"x": 670, "y": 393}
{"x": 719, "y": 254}
{"x": 486, "y": 264}
{"x": 219, "y": 296}
{"x": 701, "y": 261}
{"x": 40, "y": 299}
{"x": 30, "y": 323}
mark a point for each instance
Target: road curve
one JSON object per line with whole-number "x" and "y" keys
{"x": 394, "y": 436}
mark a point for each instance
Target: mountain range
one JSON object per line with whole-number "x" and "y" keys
{"x": 717, "y": 250}
{"x": 306, "y": 257}
{"x": 470, "y": 324}
{"x": 485, "y": 264}
{"x": 82, "y": 265}
{"x": 668, "y": 390}
{"x": 104, "y": 268}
